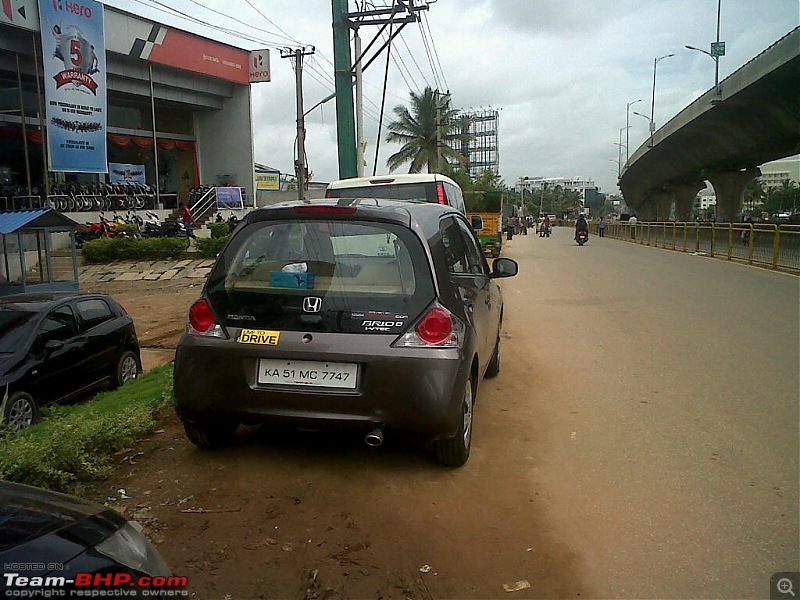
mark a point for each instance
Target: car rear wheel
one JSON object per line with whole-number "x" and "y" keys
{"x": 21, "y": 411}
{"x": 126, "y": 369}
{"x": 207, "y": 435}
{"x": 454, "y": 451}
{"x": 493, "y": 369}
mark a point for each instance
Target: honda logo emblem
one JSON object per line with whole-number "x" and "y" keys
{"x": 312, "y": 304}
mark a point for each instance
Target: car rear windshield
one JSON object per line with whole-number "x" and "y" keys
{"x": 332, "y": 276}
{"x": 422, "y": 191}
{"x": 15, "y": 328}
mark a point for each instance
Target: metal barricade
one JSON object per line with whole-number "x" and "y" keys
{"x": 763, "y": 244}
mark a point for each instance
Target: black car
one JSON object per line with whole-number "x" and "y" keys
{"x": 369, "y": 313}
{"x": 53, "y": 541}
{"x": 57, "y": 345}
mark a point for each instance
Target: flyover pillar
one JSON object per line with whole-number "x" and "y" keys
{"x": 661, "y": 200}
{"x": 684, "y": 195}
{"x": 646, "y": 210}
{"x": 729, "y": 187}
{"x": 634, "y": 197}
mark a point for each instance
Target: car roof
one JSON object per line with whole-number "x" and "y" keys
{"x": 42, "y": 301}
{"x": 425, "y": 215}
{"x": 392, "y": 179}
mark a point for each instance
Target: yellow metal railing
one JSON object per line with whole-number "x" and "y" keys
{"x": 762, "y": 244}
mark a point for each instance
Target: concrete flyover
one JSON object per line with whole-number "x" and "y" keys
{"x": 722, "y": 137}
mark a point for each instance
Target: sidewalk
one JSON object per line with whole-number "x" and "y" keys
{"x": 145, "y": 271}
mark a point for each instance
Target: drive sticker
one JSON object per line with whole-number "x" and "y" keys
{"x": 259, "y": 336}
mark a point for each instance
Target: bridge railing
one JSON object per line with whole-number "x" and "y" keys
{"x": 771, "y": 245}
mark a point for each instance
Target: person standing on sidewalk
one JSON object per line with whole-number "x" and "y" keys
{"x": 601, "y": 226}
{"x": 187, "y": 219}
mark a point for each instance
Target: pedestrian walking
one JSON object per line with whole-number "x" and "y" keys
{"x": 601, "y": 226}
{"x": 632, "y": 223}
{"x": 509, "y": 228}
{"x": 187, "y": 219}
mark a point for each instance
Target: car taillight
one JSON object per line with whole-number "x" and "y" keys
{"x": 438, "y": 328}
{"x": 325, "y": 210}
{"x": 435, "y": 327}
{"x": 381, "y": 181}
{"x": 440, "y": 193}
{"x": 328, "y": 194}
{"x": 201, "y": 318}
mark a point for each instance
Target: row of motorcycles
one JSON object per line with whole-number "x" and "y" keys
{"x": 149, "y": 226}
{"x": 104, "y": 196}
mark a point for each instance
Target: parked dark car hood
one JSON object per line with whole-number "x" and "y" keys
{"x": 32, "y": 519}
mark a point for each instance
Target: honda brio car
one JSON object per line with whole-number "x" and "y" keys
{"x": 58, "y": 345}
{"x": 373, "y": 314}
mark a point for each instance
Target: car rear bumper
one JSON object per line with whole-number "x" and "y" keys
{"x": 413, "y": 389}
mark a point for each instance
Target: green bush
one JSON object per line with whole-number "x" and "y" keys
{"x": 218, "y": 230}
{"x": 126, "y": 230}
{"x": 210, "y": 247}
{"x": 111, "y": 249}
{"x": 77, "y": 442}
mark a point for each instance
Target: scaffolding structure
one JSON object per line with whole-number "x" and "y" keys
{"x": 482, "y": 151}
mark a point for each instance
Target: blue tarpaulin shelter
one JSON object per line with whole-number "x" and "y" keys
{"x": 38, "y": 252}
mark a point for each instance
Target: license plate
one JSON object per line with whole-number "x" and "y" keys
{"x": 308, "y": 373}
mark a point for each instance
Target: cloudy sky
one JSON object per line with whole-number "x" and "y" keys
{"x": 561, "y": 72}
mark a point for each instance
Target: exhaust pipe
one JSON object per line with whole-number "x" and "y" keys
{"x": 374, "y": 438}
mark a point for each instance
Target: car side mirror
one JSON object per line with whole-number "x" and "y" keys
{"x": 504, "y": 267}
{"x": 53, "y": 345}
{"x": 476, "y": 222}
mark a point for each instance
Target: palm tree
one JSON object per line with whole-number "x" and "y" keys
{"x": 428, "y": 132}
{"x": 753, "y": 194}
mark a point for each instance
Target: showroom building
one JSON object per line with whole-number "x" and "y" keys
{"x": 176, "y": 112}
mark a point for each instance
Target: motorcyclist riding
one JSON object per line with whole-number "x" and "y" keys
{"x": 581, "y": 225}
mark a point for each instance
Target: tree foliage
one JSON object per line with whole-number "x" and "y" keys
{"x": 428, "y": 130}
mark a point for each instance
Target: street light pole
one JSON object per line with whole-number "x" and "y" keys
{"x": 653, "y": 102}
{"x": 627, "y": 129}
{"x": 716, "y": 58}
{"x": 717, "y": 50}
{"x": 619, "y": 153}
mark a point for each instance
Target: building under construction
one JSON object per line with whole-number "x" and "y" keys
{"x": 481, "y": 151}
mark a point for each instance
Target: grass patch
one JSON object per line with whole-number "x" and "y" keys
{"x": 75, "y": 443}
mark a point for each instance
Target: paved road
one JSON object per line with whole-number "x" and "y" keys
{"x": 664, "y": 391}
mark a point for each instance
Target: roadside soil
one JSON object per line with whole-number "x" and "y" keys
{"x": 309, "y": 515}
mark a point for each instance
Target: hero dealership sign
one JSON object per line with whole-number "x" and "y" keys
{"x": 259, "y": 66}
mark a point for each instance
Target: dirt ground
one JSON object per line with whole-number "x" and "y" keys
{"x": 308, "y": 515}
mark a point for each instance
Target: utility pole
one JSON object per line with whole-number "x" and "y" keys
{"x": 436, "y": 125}
{"x": 300, "y": 167}
{"x": 400, "y": 13}
{"x": 359, "y": 106}
{"x": 345, "y": 125}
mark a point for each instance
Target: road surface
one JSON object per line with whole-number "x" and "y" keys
{"x": 641, "y": 441}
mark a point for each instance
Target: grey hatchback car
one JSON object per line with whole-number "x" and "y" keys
{"x": 371, "y": 314}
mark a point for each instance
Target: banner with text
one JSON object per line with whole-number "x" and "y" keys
{"x": 268, "y": 180}
{"x": 229, "y": 198}
{"x": 73, "y": 47}
{"x": 124, "y": 173}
